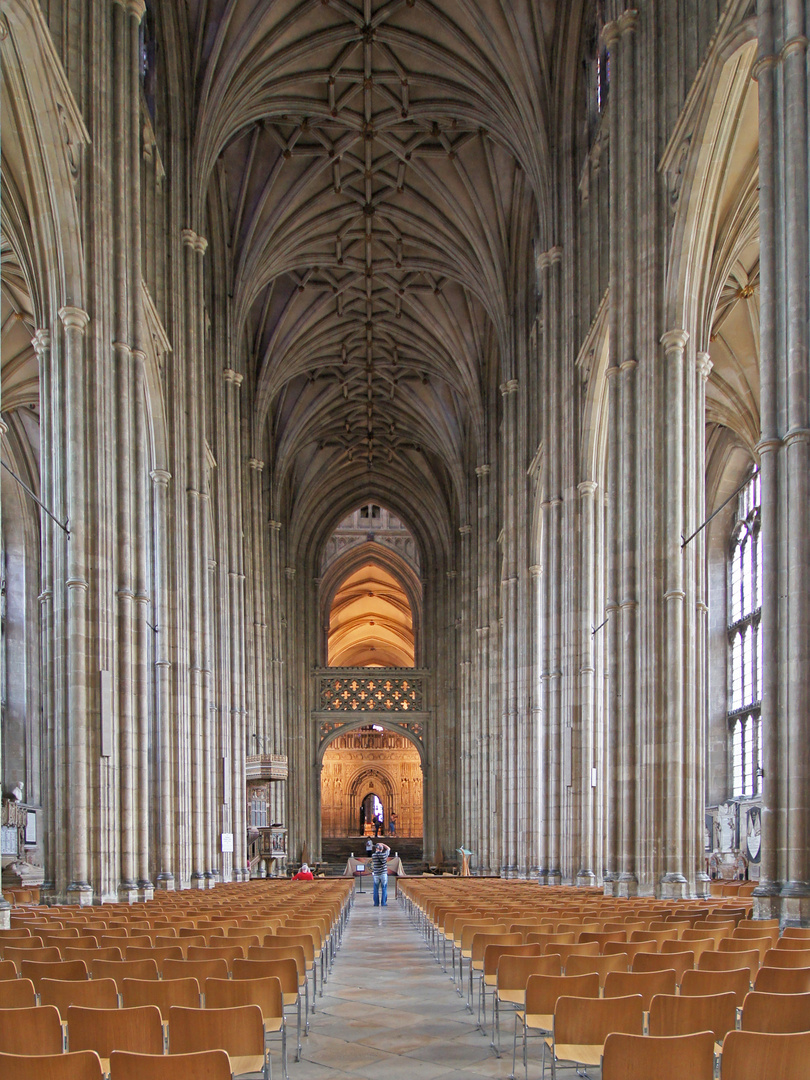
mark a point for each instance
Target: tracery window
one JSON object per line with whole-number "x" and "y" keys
{"x": 745, "y": 643}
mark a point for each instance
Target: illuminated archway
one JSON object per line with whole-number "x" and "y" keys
{"x": 370, "y": 621}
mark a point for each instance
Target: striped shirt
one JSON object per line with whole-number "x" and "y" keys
{"x": 379, "y": 861}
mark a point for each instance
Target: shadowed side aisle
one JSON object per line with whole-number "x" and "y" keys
{"x": 389, "y": 1011}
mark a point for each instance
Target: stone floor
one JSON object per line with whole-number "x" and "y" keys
{"x": 390, "y": 1013}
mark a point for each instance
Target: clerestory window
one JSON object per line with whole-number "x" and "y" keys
{"x": 745, "y": 643}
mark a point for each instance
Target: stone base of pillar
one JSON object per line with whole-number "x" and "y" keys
{"x": 702, "y": 885}
{"x": 79, "y": 893}
{"x": 198, "y": 880}
{"x": 127, "y": 892}
{"x": 5, "y": 914}
{"x": 626, "y": 885}
{"x": 554, "y": 877}
{"x": 795, "y": 899}
{"x": 585, "y": 878}
{"x": 509, "y": 872}
{"x": 542, "y": 876}
{"x": 210, "y": 879}
{"x": 609, "y": 884}
{"x": 146, "y": 891}
{"x": 673, "y": 887}
{"x": 164, "y": 882}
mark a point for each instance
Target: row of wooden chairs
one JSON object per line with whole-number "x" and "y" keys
{"x": 240, "y": 1030}
{"x": 86, "y": 1065}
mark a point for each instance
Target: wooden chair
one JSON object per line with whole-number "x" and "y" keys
{"x": 797, "y": 958}
{"x": 304, "y": 941}
{"x": 676, "y": 1014}
{"x": 755, "y": 932}
{"x": 138, "y": 1030}
{"x": 728, "y": 961}
{"x": 20, "y": 944}
{"x": 512, "y": 973}
{"x": 679, "y": 962}
{"x": 792, "y": 944}
{"x": 266, "y": 993}
{"x": 182, "y": 943}
{"x": 110, "y": 952}
{"x": 290, "y": 970}
{"x": 480, "y": 942}
{"x": 770, "y": 980}
{"x": 735, "y": 944}
{"x": 463, "y": 944}
{"x": 586, "y": 948}
{"x": 645, "y": 983}
{"x": 123, "y": 969}
{"x": 159, "y": 955}
{"x": 238, "y": 1031}
{"x": 776, "y": 1013}
{"x": 206, "y": 1065}
{"x": 84, "y": 1065}
{"x": 800, "y": 932}
{"x": 752, "y": 1055}
{"x": 17, "y": 994}
{"x": 78, "y": 944}
{"x": 93, "y": 994}
{"x": 36, "y": 1030}
{"x": 542, "y": 994}
{"x": 489, "y": 974}
{"x": 581, "y": 1026}
{"x": 228, "y": 953}
{"x": 656, "y": 935}
{"x": 195, "y": 969}
{"x": 65, "y": 970}
{"x": 639, "y": 1057}
{"x": 161, "y": 992}
{"x": 704, "y": 983}
{"x": 8, "y": 970}
{"x": 42, "y": 955}
{"x": 631, "y": 949}
{"x": 584, "y": 965}
{"x": 602, "y": 937}
{"x": 543, "y": 938}
{"x": 13, "y": 933}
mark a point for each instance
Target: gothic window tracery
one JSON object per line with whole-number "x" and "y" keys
{"x": 745, "y": 643}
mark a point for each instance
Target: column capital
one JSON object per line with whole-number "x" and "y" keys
{"x": 674, "y": 339}
{"x": 483, "y": 470}
{"x": 550, "y": 257}
{"x": 628, "y": 21}
{"x": 74, "y": 318}
{"x": 703, "y": 365}
{"x": 796, "y": 44}
{"x": 290, "y": 572}
{"x": 535, "y": 571}
{"x": 610, "y": 33}
{"x": 509, "y": 387}
{"x": 451, "y": 574}
{"x": 231, "y": 376}
{"x": 275, "y": 525}
{"x": 41, "y": 341}
{"x": 764, "y": 63}
{"x": 587, "y": 487}
{"x": 189, "y": 237}
{"x": 3, "y": 427}
{"x": 255, "y": 464}
{"x": 465, "y": 530}
{"x": 136, "y": 8}
{"x": 161, "y": 477}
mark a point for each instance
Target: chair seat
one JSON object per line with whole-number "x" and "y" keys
{"x": 538, "y": 1021}
{"x": 491, "y": 980}
{"x": 252, "y": 1063}
{"x": 513, "y": 997}
{"x": 581, "y": 1053}
{"x": 273, "y": 1023}
{"x": 289, "y": 999}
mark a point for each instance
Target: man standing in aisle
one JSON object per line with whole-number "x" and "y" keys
{"x": 379, "y": 868}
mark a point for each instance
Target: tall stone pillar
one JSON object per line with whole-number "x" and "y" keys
{"x": 484, "y": 763}
{"x": 259, "y": 605}
{"x": 277, "y": 694}
{"x": 509, "y": 739}
{"x": 165, "y": 805}
{"x": 236, "y": 586}
{"x": 696, "y": 737}
{"x": 5, "y": 906}
{"x": 468, "y": 800}
{"x": 534, "y": 742}
{"x": 585, "y": 871}
{"x": 79, "y": 890}
{"x": 673, "y": 883}
{"x": 785, "y": 456}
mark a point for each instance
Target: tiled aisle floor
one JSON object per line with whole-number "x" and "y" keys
{"x": 390, "y": 1013}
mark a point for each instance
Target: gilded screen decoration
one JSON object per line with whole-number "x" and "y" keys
{"x": 359, "y": 693}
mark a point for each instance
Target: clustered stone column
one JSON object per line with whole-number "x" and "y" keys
{"x": 784, "y": 191}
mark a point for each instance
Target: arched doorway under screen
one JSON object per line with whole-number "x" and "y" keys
{"x": 371, "y": 760}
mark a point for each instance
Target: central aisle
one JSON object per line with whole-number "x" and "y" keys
{"x": 388, "y": 1010}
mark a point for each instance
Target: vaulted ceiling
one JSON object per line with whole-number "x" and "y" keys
{"x": 377, "y": 169}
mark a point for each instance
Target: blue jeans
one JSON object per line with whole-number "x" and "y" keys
{"x": 381, "y": 889}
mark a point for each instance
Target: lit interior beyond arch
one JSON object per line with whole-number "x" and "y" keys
{"x": 371, "y": 622}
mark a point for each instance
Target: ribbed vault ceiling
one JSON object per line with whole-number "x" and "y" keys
{"x": 376, "y": 167}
